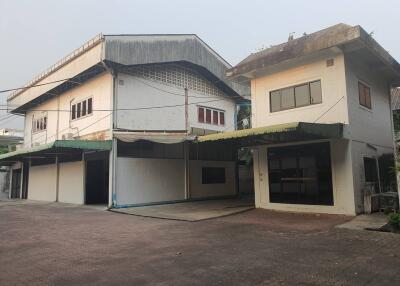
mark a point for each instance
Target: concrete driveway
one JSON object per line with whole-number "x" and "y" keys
{"x": 59, "y": 244}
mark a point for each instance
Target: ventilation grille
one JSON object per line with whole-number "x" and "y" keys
{"x": 177, "y": 76}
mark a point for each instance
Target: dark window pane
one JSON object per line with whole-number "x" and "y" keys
{"x": 287, "y": 98}
{"x": 213, "y": 175}
{"x": 45, "y": 122}
{"x": 215, "y": 117}
{"x": 201, "y": 114}
{"x": 302, "y": 94}
{"x": 222, "y": 118}
{"x": 370, "y": 170}
{"x": 84, "y": 108}
{"x": 300, "y": 174}
{"x": 90, "y": 107}
{"x": 275, "y": 101}
{"x": 316, "y": 92}
{"x": 208, "y": 116}
{"x": 78, "y": 110}
{"x": 73, "y": 112}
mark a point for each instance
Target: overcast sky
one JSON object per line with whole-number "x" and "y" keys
{"x": 35, "y": 34}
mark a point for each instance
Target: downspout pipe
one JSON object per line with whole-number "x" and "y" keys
{"x": 112, "y": 196}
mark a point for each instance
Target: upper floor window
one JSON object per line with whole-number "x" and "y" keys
{"x": 210, "y": 116}
{"x": 296, "y": 96}
{"x": 82, "y": 108}
{"x": 364, "y": 95}
{"x": 39, "y": 124}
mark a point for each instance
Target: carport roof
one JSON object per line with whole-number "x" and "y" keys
{"x": 55, "y": 147}
{"x": 288, "y": 132}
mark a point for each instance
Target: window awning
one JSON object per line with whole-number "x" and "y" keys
{"x": 157, "y": 137}
{"x": 56, "y": 147}
{"x": 281, "y": 133}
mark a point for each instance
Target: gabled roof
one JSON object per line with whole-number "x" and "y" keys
{"x": 340, "y": 35}
{"x": 125, "y": 50}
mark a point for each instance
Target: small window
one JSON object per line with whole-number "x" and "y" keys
{"x": 275, "y": 100}
{"x": 364, "y": 94}
{"x": 90, "y": 108}
{"x": 201, "y": 114}
{"x": 78, "y": 110}
{"x": 370, "y": 170}
{"x": 215, "y": 117}
{"x": 81, "y": 109}
{"x": 39, "y": 124}
{"x": 221, "y": 118}
{"x": 213, "y": 175}
{"x": 208, "y": 115}
{"x": 84, "y": 108}
{"x": 73, "y": 112}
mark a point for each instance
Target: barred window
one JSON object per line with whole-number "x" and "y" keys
{"x": 39, "y": 124}
{"x": 81, "y": 109}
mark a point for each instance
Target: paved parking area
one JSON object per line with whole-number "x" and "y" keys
{"x": 59, "y": 244}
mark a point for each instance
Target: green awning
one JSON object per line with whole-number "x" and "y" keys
{"x": 289, "y": 132}
{"x": 56, "y": 147}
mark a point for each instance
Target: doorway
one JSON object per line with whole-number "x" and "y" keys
{"x": 96, "y": 181}
{"x": 16, "y": 184}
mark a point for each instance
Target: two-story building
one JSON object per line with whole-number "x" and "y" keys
{"x": 321, "y": 116}
{"x": 112, "y": 123}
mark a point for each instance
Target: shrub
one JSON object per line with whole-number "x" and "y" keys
{"x": 394, "y": 220}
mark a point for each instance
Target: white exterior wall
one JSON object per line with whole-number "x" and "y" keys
{"x": 140, "y": 181}
{"x": 333, "y": 86}
{"x": 99, "y": 88}
{"x": 139, "y": 92}
{"x": 333, "y": 109}
{"x": 367, "y": 126}
{"x": 72, "y": 182}
{"x": 42, "y": 183}
{"x": 145, "y": 180}
{"x": 199, "y": 190}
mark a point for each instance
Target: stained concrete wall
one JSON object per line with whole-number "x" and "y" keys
{"x": 200, "y": 190}
{"x": 72, "y": 182}
{"x": 136, "y": 93}
{"x": 99, "y": 88}
{"x": 42, "y": 183}
{"x": 370, "y": 129}
{"x": 145, "y": 180}
{"x": 140, "y": 181}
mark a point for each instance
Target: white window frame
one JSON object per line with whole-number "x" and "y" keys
{"x": 212, "y": 115}
{"x": 40, "y": 119}
{"x": 76, "y": 108}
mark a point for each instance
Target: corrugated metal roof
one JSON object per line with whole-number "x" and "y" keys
{"x": 60, "y": 144}
{"x": 300, "y": 128}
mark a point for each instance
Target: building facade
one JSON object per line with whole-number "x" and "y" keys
{"x": 337, "y": 77}
{"x": 114, "y": 122}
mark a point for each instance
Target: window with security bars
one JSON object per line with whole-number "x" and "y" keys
{"x": 39, "y": 124}
{"x": 177, "y": 76}
{"x": 210, "y": 116}
{"x": 82, "y": 108}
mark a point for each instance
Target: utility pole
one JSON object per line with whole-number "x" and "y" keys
{"x": 186, "y": 110}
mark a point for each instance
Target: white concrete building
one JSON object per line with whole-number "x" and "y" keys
{"x": 113, "y": 122}
{"x": 321, "y": 120}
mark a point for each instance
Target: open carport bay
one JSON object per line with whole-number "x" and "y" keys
{"x": 192, "y": 211}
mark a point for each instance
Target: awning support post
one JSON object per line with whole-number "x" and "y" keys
{"x": 57, "y": 178}
{"x": 187, "y": 169}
